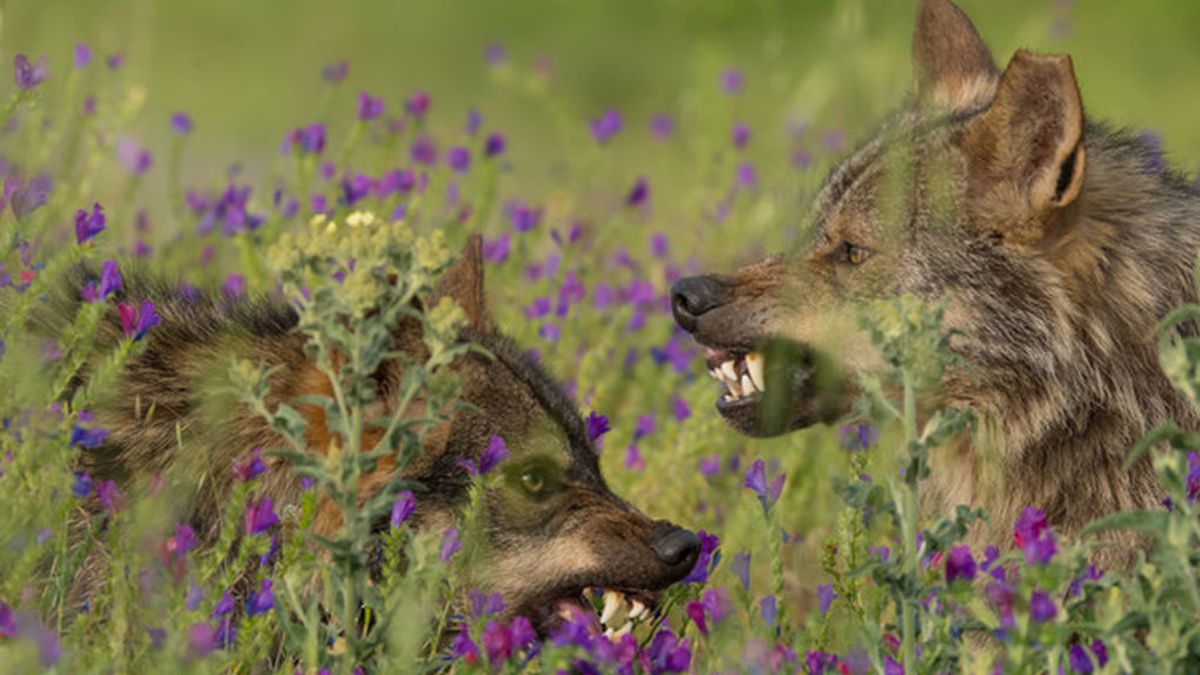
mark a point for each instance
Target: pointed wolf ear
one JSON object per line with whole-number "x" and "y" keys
{"x": 1029, "y": 142}
{"x": 463, "y": 282}
{"x": 952, "y": 65}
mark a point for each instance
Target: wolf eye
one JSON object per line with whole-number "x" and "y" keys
{"x": 534, "y": 481}
{"x": 540, "y": 481}
{"x": 854, "y": 255}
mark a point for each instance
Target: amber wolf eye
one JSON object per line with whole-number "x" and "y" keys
{"x": 854, "y": 255}
{"x": 539, "y": 480}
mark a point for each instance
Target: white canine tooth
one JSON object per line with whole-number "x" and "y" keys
{"x": 747, "y": 385}
{"x": 609, "y": 633}
{"x": 624, "y": 629}
{"x": 734, "y": 388}
{"x": 566, "y": 614}
{"x": 754, "y": 363}
{"x": 637, "y": 609}
{"x": 728, "y": 371}
{"x": 612, "y": 602}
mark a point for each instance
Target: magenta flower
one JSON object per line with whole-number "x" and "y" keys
{"x": 8, "y": 626}
{"x": 115, "y": 60}
{"x": 756, "y": 480}
{"x": 606, "y": 125}
{"x": 662, "y": 126}
{"x": 960, "y": 564}
{"x": 202, "y": 640}
{"x": 335, "y": 72}
{"x": 680, "y": 409}
{"x": 88, "y": 225}
{"x": 639, "y": 193}
{"x": 260, "y": 516}
{"x": 695, "y": 611}
{"x": 83, "y": 55}
{"x": 451, "y": 544}
{"x": 250, "y": 468}
{"x": 403, "y": 508}
{"x": 136, "y": 322}
{"x": 495, "y": 145}
{"x": 424, "y": 151}
{"x": 27, "y": 75}
{"x": 668, "y": 654}
{"x": 110, "y": 496}
{"x": 747, "y": 177}
{"x": 1033, "y": 536}
{"x": 418, "y": 104}
{"x": 819, "y": 663}
{"x": 459, "y": 159}
{"x": 181, "y": 124}
{"x": 1193, "y": 477}
{"x": 182, "y": 541}
{"x": 1082, "y": 662}
{"x": 732, "y": 81}
{"x": 633, "y": 459}
{"x": 262, "y": 601}
{"x": 369, "y": 108}
{"x": 644, "y": 427}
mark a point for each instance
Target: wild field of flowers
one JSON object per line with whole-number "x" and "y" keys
{"x": 815, "y": 557}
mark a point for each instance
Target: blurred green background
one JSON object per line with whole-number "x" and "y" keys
{"x": 248, "y": 70}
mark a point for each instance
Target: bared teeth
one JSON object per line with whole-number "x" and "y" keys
{"x": 637, "y": 610}
{"x": 728, "y": 371}
{"x": 612, "y": 602}
{"x": 754, "y": 364}
{"x": 747, "y": 385}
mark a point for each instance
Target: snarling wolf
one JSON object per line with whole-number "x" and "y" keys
{"x": 1056, "y": 241}
{"x": 552, "y": 526}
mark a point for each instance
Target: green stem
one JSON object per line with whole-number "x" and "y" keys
{"x": 909, "y": 526}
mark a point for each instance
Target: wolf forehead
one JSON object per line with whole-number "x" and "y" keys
{"x": 506, "y": 365}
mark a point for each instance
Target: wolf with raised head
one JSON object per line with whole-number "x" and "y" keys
{"x": 1058, "y": 244}
{"x": 553, "y": 528}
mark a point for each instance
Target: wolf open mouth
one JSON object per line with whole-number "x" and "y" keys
{"x": 777, "y": 387}
{"x": 609, "y": 612}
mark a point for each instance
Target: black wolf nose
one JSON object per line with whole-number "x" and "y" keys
{"x": 677, "y": 546}
{"x": 693, "y": 296}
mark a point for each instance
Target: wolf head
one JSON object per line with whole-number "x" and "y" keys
{"x": 1051, "y": 238}
{"x": 553, "y": 526}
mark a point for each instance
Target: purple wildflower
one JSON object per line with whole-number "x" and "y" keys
{"x": 26, "y": 198}
{"x": 182, "y": 541}
{"x": 87, "y": 438}
{"x": 309, "y": 140}
{"x": 819, "y": 663}
{"x": 644, "y": 427}
{"x": 335, "y": 72}
{"x": 497, "y": 250}
{"x": 892, "y": 667}
{"x": 1042, "y": 607}
{"x": 451, "y": 544}
{"x": 606, "y": 125}
{"x": 523, "y": 217}
{"x": 662, "y": 126}
{"x": 369, "y": 108}
{"x": 769, "y": 609}
{"x": 741, "y": 568}
{"x": 403, "y": 507}
{"x": 418, "y": 104}
{"x": 858, "y": 436}
{"x": 494, "y": 145}
{"x": 658, "y": 245}
{"x": 136, "y": 159}
{"x": 234, "y": 285}
{"x": 424, "y": 150}
{"x": 27, "y": 75}
{"x": 668, "y": 654}
{"x": 639, "y": 194}
{"x": 1033, "y": 536}
{"x": 260, "y": 516}
{"x": 202, "y": 640}
{"x": 741, "y": 135}
{"x": 1081, "y": 660}
{"x": 756, "y": 480}
{"x": 110, "y": 282}
{"x": 495, "y": 453}
{"x": 597, "y": 425}
{"x": 549, "y": 332}
{"x": 88, "y": 225}
{"x": 83, "y": 55}
{"x": 462, "y": 647}
{"x": 135, "y": 322}
{"x": 458, "y": 158}
{"x": 82, "y": 487}
{"x": 732, "y": 81}
{"x": 262, "y": 601}
{"x": 825, "y": 597}
{"x": 110, "y": 496}
{"x": 250, "y": 468}
{"x": 1193, "y": 477}
{"x": 181, "y": 124}
{"x": 710, "y": 465}
{"x": 960, "y": 564}
{"x": 747, "y": 177}
{"x": 115, "y": 60}
{"x": 495, "y": 54}
{"x": 707, "y": 561}
{"x": 680, "y": 409}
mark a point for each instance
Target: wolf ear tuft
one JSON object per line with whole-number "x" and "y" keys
{"x": 951, "y": 63}
{"x": 1032, "y": 134}
{"x": 463, "y": 282}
